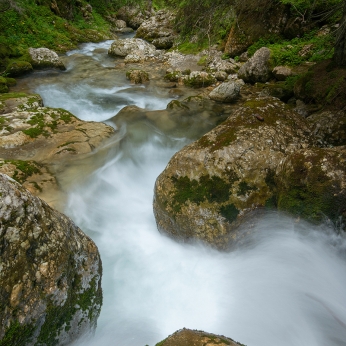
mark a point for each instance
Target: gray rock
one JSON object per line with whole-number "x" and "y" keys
{"x": 128, "y": 46}
{"x": 50, "y": 272}
{"x": 221, "y": 76}
{"x": 132, "y": 15}
{"x": 257, "y": 68}
{"x": 226, "y": 92}
{"x": 44, "y": 57}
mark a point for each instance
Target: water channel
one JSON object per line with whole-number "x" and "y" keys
{"x": 284, "y": 287}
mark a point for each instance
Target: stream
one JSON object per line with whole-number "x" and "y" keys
{"x": 285, "y": 286}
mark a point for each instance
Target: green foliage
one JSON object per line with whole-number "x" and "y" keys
{"x": 311, "y": 48}
{"x": 24, "y": 169}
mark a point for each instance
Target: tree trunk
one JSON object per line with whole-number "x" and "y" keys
{"x": 340, "y": 44}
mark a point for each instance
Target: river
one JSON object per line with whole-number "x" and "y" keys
{"x": 286, "y": 286}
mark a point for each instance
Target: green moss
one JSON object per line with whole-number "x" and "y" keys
{"x": 203, "y": 60}
{"x": 8, "y": 96}
{"x": 213, "y": 189}
{"x": 17, "y": 334}
{"x": 229, "y": 212}
{"x": 244, "y": 188}
{"x": 311, "y": 193}
{"x": 199, "y": 81}
{"x": 33, "y": 132}
{"x": 18, "y": 68}
{"x": 173, "y": 76}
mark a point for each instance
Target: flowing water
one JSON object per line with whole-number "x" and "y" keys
{"x": 285, "y": 286}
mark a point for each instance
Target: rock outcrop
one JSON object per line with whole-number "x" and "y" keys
{"x": 311, "y": 184}
{"x": 188, "y": 337}
{"x": 30, "y": 131}
{"x": 209, "y": 185}
{"x": 44, "y": 58}
{"x": 257, "y": 68}
{"x": 158, "y": 30}
{"x": 132, "y": 15}
{"x": 50, "y": 275}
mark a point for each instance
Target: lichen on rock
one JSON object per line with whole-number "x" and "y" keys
{"x": 50, "y": 272}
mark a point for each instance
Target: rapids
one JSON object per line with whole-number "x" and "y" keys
{"x": 286, "y": 285}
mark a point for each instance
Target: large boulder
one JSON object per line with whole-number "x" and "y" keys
{"x": 226, "y": 92}
{"x": 132, "y": 46}
{"x": 30, "y": 131}
{"x": 257, "y": 68}
{"x": 199, "y": 79}
{"x": 210, "y": 184}
{"x": 158, "y": 29}
{"x": 50, "y": 291}
{"x": 311, "y": 184}
{"x": 188, "y": 337}
{"x": 44, "y": 57}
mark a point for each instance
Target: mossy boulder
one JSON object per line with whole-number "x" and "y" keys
{"x": 209, "y": 185}
{"x": 188, "y": 337}
{"x": 199, "y": 79}
{"x": 226, "y": 92}
{"x": 311, "y": 184}
{"x": 45, "y": 58}
{"x": 137, "y": 76}
{"x": 18, "y": 68}
{"x": 128, "y": 46}
{"x": 3, "y": 85}
{"x": 258, "y": 68}
{"x": 50, "y": 272}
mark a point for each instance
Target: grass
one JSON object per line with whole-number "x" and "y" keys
{"x": 289, "y": 52}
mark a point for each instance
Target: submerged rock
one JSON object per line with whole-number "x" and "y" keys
{"x": 210, "y": 184}
{"x": 137, "y": 76}
{"x": 50, "y": 272}
{"x": 188, "y": 337}
{"x": 311, "y": 184}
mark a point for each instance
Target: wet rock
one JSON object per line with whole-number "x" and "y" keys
{"x": 44, "y": 57}
{"x": 226, "y": 92}
{"x": 50, "y": 272}
{"x": 137, "y": 76}
{"x": 18, "y": 102}
{"x": 158, "y": 29}
{"x": 30, "y": 131}
{"x": 329, "y": 128}
{"x": 257, "y": 68}
{"x": 282, "y": 72}
{"x": 211, "y": 184}
{"x": 216, "y": 63}
{"x": 311, "y": 184}
{"x": 18, "y": 68}
{"x": 188, "y": 337}
{"x": 221, "y": 76}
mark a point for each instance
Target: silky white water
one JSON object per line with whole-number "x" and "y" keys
{"x": 285, "y": 286}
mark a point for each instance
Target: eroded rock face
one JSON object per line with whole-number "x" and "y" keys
{"x": 30, "y": 131}
{"x": 132, "y": 15}
{"x": 44, "y": 57}
{"x": 158, "y": 29}
{"x": 188, "y": 337}
{"x": 257, "y": 68}
{"x": 210, "y": 184}
{"x": 311, "y": 184}
{"x": 50, "y": 272}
